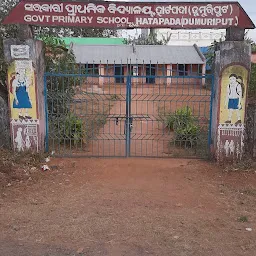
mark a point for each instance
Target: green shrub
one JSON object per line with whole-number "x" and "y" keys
{"x": 252, "y": 84}
{"x": 178, "y": 118}
{"x": 184, "y": 125}
{"x": 169, "y": 121}
{"x": 71, "y": 129}
{"x": 187, "y": 135}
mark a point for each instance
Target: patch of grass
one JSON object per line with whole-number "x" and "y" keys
{"x": 247, "y": 165}
{"x": 16, "y": 166}
{"x": 10, "y": 157}
{"x": 243, "y": 219}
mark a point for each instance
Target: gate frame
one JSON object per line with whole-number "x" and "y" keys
{"x": 128, "y": 99}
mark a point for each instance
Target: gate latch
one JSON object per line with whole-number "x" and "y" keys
{"x": 130, "y": 124}
{"x": 117, "y": 121}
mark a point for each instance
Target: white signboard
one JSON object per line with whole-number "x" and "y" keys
{"x": 20, "y": 51}
{"x": 23, "y": 65}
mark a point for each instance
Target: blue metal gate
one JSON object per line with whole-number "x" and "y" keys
{"x": 128, "y": 115}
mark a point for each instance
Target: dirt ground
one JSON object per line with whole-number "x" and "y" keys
{"x": 129, "y": 207}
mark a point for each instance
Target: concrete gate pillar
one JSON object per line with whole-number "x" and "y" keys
{"x": 231, "y": 74}
{"x": 25, "y": 58}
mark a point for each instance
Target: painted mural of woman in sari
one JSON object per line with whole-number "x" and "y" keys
{"x": 20, "y": 88}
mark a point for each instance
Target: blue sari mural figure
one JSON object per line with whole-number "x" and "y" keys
{"x": 22, "y": 101}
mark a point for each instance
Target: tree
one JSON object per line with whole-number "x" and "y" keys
{"x": 151, "y": 39}
{"x": 5, "y": 31}
{"x": 210, "y": 54}
{"x": 61, "y": 91}
{"x": 253, "y": 47}
{"x": 252, "y": 84}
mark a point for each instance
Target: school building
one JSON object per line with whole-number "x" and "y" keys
{"x": 253, "y": 58}
{"x": 148, "y": 64}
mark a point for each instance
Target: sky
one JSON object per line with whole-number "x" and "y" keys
{"x": 248, "y": 5}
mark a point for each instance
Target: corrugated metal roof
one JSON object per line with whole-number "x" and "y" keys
{"x": 139, "y": 54}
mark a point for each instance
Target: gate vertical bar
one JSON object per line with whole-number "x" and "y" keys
{"x": 210, "y": 123}
{"x": 46, "y": 116}
{"x": 128, "y": 115}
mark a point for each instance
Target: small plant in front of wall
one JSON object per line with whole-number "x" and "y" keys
{"x": 184, "y": 125}
{"x": 72, "y": 129}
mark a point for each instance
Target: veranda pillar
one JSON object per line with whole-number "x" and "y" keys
{"x": 169, "y": 74}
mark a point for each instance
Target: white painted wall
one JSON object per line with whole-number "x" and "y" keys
{"x": 201, "y": 37}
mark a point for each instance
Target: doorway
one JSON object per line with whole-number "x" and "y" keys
{"x": 119, "y": 74}
{"x": 150, "y": 74}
